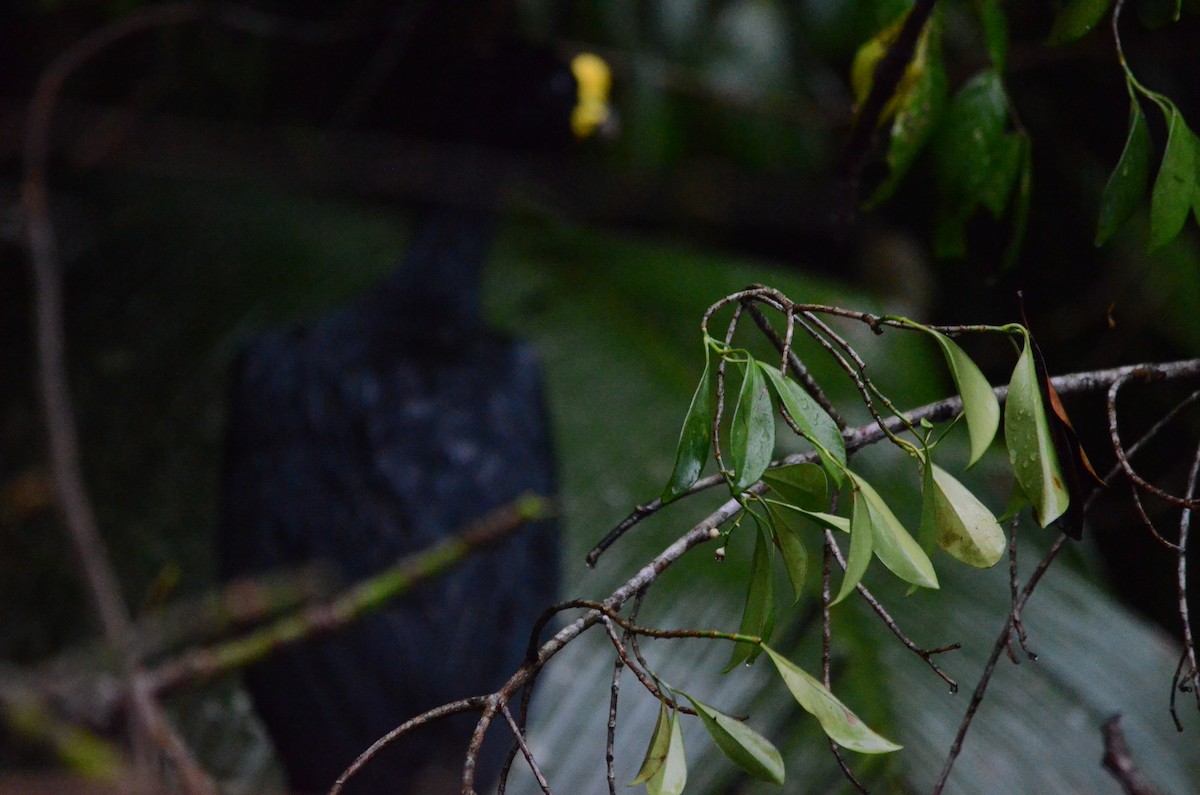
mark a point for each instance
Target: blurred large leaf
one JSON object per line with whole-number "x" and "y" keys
{"x": 1076, "y": 19}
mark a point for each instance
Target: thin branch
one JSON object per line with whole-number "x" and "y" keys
{"x": 939, "y": 411}
{"x": 1180, "y": 502}
{"x": 1181, "y": 583}
{"x": 794, "y": 364}
{"x": 1118, "y": 761}
{"x": 925, "y": 654}
{"x": 519, "y": 734}
{"x": 473, "y": 704}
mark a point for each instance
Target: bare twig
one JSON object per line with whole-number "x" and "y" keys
{"x": 925, "y": 654}
{"x": 473, "y": 704}
{"x": 1123, "y": 460}
{"x": 1181, "y": 683}
{"x": 1013, "y": 585}
{"x": 519, "y": 733}
{"x": 1118, "y": 761}
{"x": 795, "y": 364}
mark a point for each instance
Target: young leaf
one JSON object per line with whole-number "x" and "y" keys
{"x": 1129, "y": 179}
{"x": 1171, "y": 199}
{"x": 862, "y": 543}
{"x": 671, "y": 776}
{"x": 1076, "y": 19}
{"x": 838, "y": 722}
{"x": 752, "y": 430}
{"x": 758, "y": 617}
{"x": 791, "y": 547}
{"x": 812, "y": 420}
{"x": 1030, "y": 446}
{"x": 827, "y": 520}
{"x": 696, "y": 436}
{"x": 980, "y": 406}
{"x": 893, "y": 545}
{"x": 748, "y": 749}
{"x": 965, "y": 527}
{"x": 802, "y": 485}
{"x": 656, "y": 751}
{"x": 927, "y": 532}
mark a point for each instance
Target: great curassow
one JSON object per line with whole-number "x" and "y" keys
{"x": 381, "y": 428}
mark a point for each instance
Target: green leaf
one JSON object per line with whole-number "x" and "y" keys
{"x": 802, "y": 485}
{"x": 920, "y": 101}
{"x": 812, "y": 420}
{"x": 671, "y": 777}
{"x": 791, "y": 547}
{"x": 1127, "y": 184}
{"x": 927, "y": 532}
{"x": 1076, "y": 19}
{"x": 965, "y": 527}
{"x": 862, "y": 543}
{"x": 838, "y": 722}
{"x": 748, "y": 749}
{"x": 972, "y": 140}
{"x": 996, "y": 191}
{"x": 758, "y": 616}
{"x": 656, "y": 751}
{"x": 1175, "y": 186}
{"x": 1030, "y": 446}
{"x": 696, "y": 436}
{"x": 1021, "y": 206}
{"x": 752, "y": 430}
{"x": 826, "y": 520}
{"x": 995, "y": 32}
{"x": 980, "y": 406}
{"x": 893, "y": 545}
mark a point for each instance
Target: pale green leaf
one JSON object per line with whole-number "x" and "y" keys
{"x": 893, "y": 545}
{"x": 1127, "y": 184}
{"x": 980, "y": 405}
{"x": 752, "y": 430}
{"x": 812, "y": 420}
{"x": 695, "y": 437}
{"x": 836, "y": 719}
{"x": 802, "y": 485}
{"x": 862, "y": 543}
{"x": 1030, "y": 447}
{"x": 927, "y": 532}
{"x": 826, "y": 520}
{"x": 671, "y": 776}
{"x": 1175, "y": 185}
{"x": 748, "y": 749}
{"x": 965, "y": 527}
{"x": 656, "y": 751}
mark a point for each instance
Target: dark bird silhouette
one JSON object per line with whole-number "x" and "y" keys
{"x": 376, "y": 431}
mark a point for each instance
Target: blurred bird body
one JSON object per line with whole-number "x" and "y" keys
{"x": 370, "y": 434}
